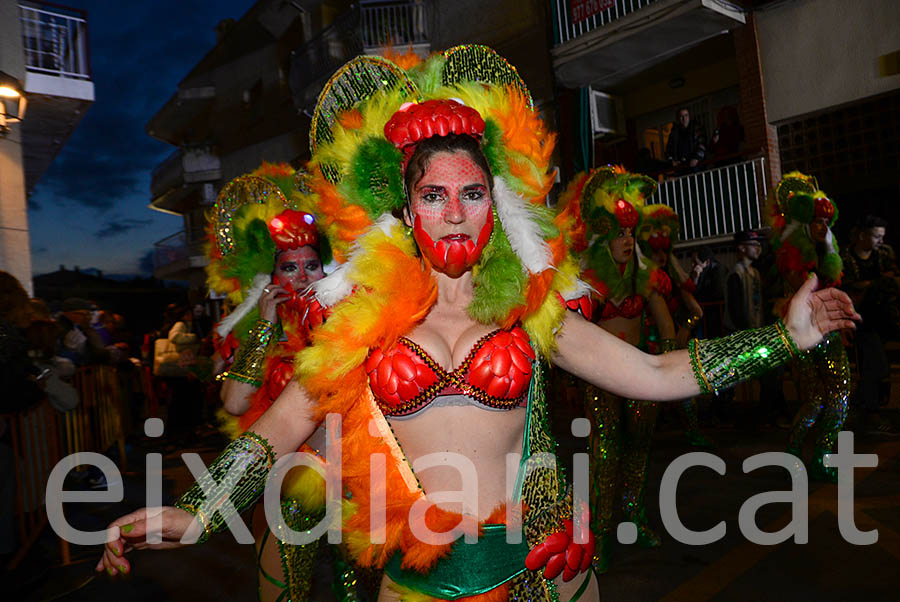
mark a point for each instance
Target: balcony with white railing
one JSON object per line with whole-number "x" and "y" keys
{"x": 715, "y": 204}
{"x": 393, "y": 24}
{"x": 58, "y": 82}
{"x": 602, "y": 43}
{"x": 368, "y": 28}
{"x": 55, "y": 40}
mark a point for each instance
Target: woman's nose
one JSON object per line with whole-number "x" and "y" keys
{"x": 453, "y": 211}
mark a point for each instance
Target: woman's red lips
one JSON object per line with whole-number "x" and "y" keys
{"x": 456, "y": 237}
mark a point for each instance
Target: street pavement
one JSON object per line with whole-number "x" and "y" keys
{"x": 825, "y": 568}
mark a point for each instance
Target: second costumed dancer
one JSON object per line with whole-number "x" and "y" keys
{"x": 441, "y": 317}
{"x": 603, "y": 208}
{"x": 802, "y": 217}
{"x": 263, "y": 254}
{"x": 657, "y": 235}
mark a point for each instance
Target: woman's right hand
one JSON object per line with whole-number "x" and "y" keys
{"x": 273, "y": 296}
{"x": 129, "y": 532}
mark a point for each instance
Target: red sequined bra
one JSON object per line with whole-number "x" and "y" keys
{"x": 496, "y": 373}
{"x": 630, "y": 307}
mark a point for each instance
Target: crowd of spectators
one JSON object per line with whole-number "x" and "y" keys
{"x": 743, "y": 297}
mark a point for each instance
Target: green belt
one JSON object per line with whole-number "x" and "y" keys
{"x": 469, "y": 569}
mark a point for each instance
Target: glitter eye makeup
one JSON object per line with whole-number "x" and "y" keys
{"x": 298, "y": 267}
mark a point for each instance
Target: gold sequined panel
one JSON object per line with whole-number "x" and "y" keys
{"x": 541, "y": 488}
{"x": 793, "y": 183}
{"x": 477, "y": 63}
{"x": 541, "y": 492}
{"x": 237, "y": 193}
{"x": 352, "y": 84}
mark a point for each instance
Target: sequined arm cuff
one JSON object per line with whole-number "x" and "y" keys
{"x": 249, "y": 365}
{"x": 238, "y": 476}
{"x": 722, "y": 363}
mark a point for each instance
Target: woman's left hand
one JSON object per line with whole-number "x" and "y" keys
{"x": 813, "y": 314}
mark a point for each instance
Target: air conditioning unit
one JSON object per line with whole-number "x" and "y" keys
{"x": 607, "y": 115}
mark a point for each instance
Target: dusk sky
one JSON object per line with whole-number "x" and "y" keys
{"x": 90, "y": 208}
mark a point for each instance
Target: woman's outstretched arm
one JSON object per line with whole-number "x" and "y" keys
{"x": 286, "y": 425}
{"x": 591, "y": 353}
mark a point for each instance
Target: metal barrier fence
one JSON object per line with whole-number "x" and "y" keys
{"x": 393, "y": 24}
{"x": 41, "y": 436}
{"x": 55, "y": 43}
{"x": 35, "y": 451}
{"x": 613, "y": 9}
{"x": 718, "y": 202}
{"x": 96, "y": 424}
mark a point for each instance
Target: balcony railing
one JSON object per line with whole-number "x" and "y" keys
{"x": 371, "y": 25}
{"x": 570, "y": 25}
{"x": 55, "y": 40}
{"x": 392, "y": 24}
{"x": 717, "y": 203}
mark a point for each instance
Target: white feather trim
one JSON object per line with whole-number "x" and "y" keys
{"x": 333, "y": 288}
{"x": 523, "y": 232}
{"x": 579, "y": 289}
{"x": 829, "y": 241}
{"x": 227, "y": 324}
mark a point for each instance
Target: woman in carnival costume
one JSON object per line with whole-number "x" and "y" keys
{"x": 431, "y": 356}
{"x": 264, "y": 254}
{"x": 802, "y": 217}
{"x": 602, "y": 209}
{"x": 656, "y": 237}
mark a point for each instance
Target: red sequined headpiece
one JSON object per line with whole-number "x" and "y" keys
{"x": 293, "y": 229}
{"x": 823, "y": 207}
{"x": 626, "y": 214}
{"x": 416, "y": 122}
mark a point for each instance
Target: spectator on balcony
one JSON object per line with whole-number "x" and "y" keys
{"x": 686, "y": 146}
{"x": 709, "y": 278}
{"x": 728, "y": 137}
{"x": 869, "y": 272}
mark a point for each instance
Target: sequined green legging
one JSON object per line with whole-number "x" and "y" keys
{"x": 824, "y": 384}
{"x": 620, "y": 440}
{"x": 298, "y": 562}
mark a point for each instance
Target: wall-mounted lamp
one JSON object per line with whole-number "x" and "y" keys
{"x": 12, "y": 102}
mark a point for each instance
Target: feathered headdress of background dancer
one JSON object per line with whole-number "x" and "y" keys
{"x": 795, "y": 202}
{"x": 591, "y": 210}
{"x": 382, "y": 289}
{"x": 256, "y": 215}
{"x": 660, "y": 231}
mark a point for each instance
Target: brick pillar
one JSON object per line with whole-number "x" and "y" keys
{"x": 758, "y": 133}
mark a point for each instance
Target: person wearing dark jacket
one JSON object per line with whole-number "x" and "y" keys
{"x": 709, "y": 279}
{"x": 685, "y": 146}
